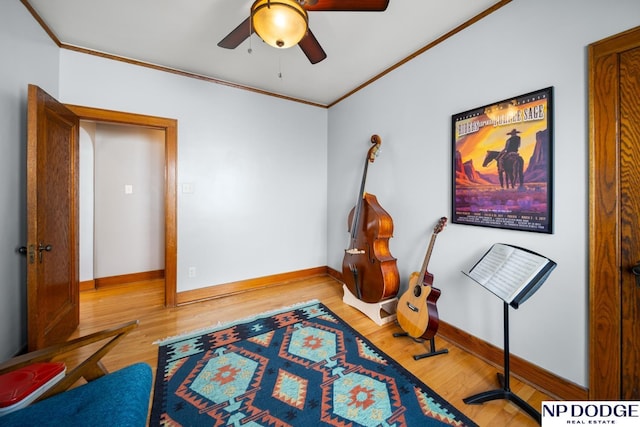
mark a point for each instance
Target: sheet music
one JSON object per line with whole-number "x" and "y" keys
{"x": 490, "y": 263}
{"x": 506, "y": 270}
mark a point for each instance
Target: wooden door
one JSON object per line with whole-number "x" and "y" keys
{"x": 614, "y": 198}
{"x": 630, "y": 221}
{"x": 52, "y": 220}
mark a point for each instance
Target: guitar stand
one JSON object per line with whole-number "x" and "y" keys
{"x": 504, "y": 392}
{"x": 432, "y": 343}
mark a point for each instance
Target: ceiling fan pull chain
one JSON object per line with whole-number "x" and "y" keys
{"x": 250, "y": 50}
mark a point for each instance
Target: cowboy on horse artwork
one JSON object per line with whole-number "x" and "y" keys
{"x": 515, "y": 192}
{"x": 510, "y": 163}
{"x": 513, "y": 143}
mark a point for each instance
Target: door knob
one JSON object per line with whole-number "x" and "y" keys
{"x": 42, "y": 247}
{"x": 30, "y": 252}
{"x": 636, "y": 272}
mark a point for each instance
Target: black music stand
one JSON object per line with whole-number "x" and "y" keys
{"x": 519, "y": 295}
{"x": 504, "y": 392}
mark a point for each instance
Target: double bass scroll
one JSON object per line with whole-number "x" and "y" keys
{"x": 368, "y": 269}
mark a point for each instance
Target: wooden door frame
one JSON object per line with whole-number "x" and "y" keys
{"x": 605, "y": 307}
{"x": 170, "y": 127}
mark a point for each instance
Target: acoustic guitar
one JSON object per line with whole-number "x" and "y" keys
{"x": 417, "y": 312}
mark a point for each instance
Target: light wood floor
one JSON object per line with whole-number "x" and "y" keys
{"x": 454, "y": 375}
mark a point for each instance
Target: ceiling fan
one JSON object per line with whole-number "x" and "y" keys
{"x": 308, "y": 43}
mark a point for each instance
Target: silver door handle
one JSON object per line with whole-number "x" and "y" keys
{"x": 41, "y": 248}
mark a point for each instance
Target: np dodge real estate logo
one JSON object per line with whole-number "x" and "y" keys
{"x": 595, "y": 412}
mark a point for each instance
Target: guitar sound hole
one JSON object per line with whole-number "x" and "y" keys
{"x": 417, "y": 290}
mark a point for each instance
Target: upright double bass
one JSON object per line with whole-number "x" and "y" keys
{"x": 368, "y": 269}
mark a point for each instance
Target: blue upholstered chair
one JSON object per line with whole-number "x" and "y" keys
{"x": 120, "y": 398}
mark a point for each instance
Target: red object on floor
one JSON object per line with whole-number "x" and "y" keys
{"x": 25, "y": 384}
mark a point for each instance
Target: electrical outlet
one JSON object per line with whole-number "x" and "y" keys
{"x": 192, "y": 272}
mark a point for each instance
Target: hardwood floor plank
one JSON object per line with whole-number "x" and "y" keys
{"x": 454, "y": 375}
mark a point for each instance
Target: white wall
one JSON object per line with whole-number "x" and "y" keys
{"x": 257, "y": 164}
{"x": 28, "y": 56}
{"x": 523, "y": 47}
{"x": 86, "y": 192}
{"x": 128, "y": 227}
{"x": 121, "y": 233}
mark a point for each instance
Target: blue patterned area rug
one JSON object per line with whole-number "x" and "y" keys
{"x": 299, "y": 366}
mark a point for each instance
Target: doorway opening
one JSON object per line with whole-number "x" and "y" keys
{"x": 169, "y": 196}
{"x": 121, "y": 204}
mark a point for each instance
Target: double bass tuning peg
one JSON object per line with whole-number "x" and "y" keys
{"x": 375, "y": 150}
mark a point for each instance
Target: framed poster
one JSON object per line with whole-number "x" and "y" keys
{"x": 502, "y": 164}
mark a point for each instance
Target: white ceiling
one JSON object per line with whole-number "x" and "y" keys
{"x": 183, "y": 35}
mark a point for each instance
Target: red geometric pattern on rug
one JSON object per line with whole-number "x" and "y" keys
{"x": 224, "y": 337}
{"x": 290, "y": 389}
{"x": 428, "y": 405}
{"x": 263, "y": 340}
{"x": 285, "y": 352}
{"x": 301, "y": 366}
{"x": 335, "y": 392}
{"x": 366, "y": 352}
{"x": 286, "y": 319}
{"x": 217, "y": 409}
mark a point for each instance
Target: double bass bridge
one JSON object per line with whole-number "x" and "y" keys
{"x": 354, "y": 251}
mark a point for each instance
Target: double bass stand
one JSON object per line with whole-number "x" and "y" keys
{"x": 504, "y": 392}
{"x": 380, "y": 312}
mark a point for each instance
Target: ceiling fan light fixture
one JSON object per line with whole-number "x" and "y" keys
{"x": 280, "y": 23}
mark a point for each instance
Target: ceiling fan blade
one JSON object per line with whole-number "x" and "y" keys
{"x": 310, "y": 46}
{"x": 347, "y": 5}
{"x": 237, "y": 36}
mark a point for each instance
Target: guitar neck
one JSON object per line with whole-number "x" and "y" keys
{"x": 425, "y": 263}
